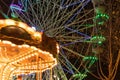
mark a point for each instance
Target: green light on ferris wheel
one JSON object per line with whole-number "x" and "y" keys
{"x": 101, "y": 18}
{"x": 90, "y": 58}
{"x": 98, "y": 39}
{"x": 80, "y": 76}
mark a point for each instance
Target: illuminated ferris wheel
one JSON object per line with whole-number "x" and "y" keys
{"x": 73, "y": 24}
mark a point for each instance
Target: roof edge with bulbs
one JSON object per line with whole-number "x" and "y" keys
{"x": 34, "y": 35}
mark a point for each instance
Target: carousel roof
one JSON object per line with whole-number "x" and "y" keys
{"x": 23, "y": 50}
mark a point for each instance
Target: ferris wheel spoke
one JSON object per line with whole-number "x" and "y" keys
{"x": 60, "y": 72}
{"x": 71, "y": 4}
{"x": 75, "y": 53}
{"x": 68, "y": 65}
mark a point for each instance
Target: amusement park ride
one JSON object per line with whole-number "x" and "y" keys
{"x": 24, "y": 51}
{"x": 69, "y": 40}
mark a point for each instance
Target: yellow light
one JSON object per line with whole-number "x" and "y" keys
{"x": 30, "y": 30}
{"x": 22, "y": 25}
{"x": 37, "y": 36}
{"x": 6, "y": 42}
{"x": 58, "y": 48}
{"x": 2, "y": 22}
{"x": 25, "y": 45}
{"x": 9, "y": 22}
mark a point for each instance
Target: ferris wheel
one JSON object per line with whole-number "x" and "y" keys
{"x": 73, "y": 24}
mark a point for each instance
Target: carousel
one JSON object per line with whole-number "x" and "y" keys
{"x": 24, "y": 50}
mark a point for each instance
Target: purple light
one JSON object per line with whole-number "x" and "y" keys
{"x": 16, "y": 7}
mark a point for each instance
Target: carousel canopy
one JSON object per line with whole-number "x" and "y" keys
{"x": 23, "y": 50}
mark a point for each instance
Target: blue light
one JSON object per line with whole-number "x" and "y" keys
{"x": 77, "y": 32}
{"x": 69, "y": 5}
{"x": 16, "y": 7}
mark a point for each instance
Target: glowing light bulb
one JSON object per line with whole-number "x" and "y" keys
{"x": 9, "y": 22}
{"x": 34, "y": 28}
